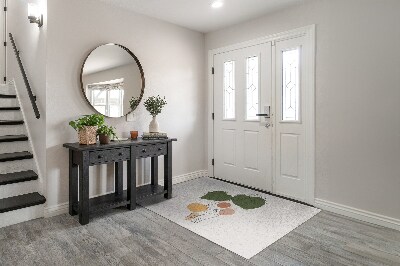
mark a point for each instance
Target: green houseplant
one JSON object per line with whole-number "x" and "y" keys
{"x": 134, "y": 103}
{"x": 87, "y": 126}
{"x": 105, "y": 133}
{"x": 154, "y": 105}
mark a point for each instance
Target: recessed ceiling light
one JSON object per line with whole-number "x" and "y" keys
{"x": 217, "y": 4}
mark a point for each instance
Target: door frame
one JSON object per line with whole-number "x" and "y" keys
{"x": 309, "y": 117}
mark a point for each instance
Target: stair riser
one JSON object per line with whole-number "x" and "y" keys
{"x": 11, "y": 190}
{"x": 10, "y": 115}
{"x": 12, "y": 130}
{"x": 6, "y": 89}
{"x": 7, "y": 102}
{"x": 17, "y": 146}
{"x": 17, "y": 166}
{"x": 21, "y": 215}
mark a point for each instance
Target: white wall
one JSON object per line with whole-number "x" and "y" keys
{"x": 31, "y": 42}
{"x": 173, "y": 61}
{"x": 357, "y": 96}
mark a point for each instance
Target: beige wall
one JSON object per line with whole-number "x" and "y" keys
{"x": 173, "y": 61}
{"x": 357, "y": 96}
{"x": 31, "y": 42}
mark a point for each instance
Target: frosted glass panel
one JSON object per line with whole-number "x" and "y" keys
{"x": 290, "y": 84}
{"x": 229, "y": 90}
{"x": 252, "y": 84}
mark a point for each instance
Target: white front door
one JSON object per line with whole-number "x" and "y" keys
{"x": 242, "y": 141}
{"x": 291, "y": 119}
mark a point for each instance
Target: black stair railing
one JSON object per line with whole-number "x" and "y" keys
{"x": 26, "y": 81}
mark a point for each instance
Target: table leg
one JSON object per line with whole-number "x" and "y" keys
{"x": 168, "y": 172}
{"x": 132, "y": 183}
{"x": 119, "y": 185}
{"x": 154, "y": 170}
{"x": 84, "y": 189}
{"x": 73, "y": 184}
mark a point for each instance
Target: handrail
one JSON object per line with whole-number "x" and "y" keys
{"x": 26, "y": 81}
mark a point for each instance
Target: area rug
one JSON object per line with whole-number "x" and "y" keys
{"x": 241, "y": 220}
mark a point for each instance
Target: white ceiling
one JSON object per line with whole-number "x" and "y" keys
{"x": 198, "y": 14}
{"x": 106, "y": 57}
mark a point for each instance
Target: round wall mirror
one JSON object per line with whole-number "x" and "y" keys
{"x": 111, "y": 75}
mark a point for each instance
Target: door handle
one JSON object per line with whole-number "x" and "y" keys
{"x": 267, "y": 125}
{"x": 264, "y": 115}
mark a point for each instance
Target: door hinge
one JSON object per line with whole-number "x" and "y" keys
{"x": 5, "y": 79}
{"x": 212, "y": 116}
{"x": 5, "y": 44}
{"x": 5, "y": 9}
{"x": 212, "y": 162}
{"x": 212, "y": 70}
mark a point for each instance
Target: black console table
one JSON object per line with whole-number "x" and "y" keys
{"x": 83, "y": 156}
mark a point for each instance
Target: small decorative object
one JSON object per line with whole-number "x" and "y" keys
{"x": 87, "y": 128}
{"x": 134, "y": 134}
{"x": 149, "y": 136}
{"x": 105, "y": 133}
{"x": 134, "y": 103}
{"x": 154, "y": 105}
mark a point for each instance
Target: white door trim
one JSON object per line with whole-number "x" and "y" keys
{"x": 309, "y": 33}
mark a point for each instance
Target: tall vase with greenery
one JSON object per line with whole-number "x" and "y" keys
{"x": 87, "y": 126}
{"x": 154, "y": 105}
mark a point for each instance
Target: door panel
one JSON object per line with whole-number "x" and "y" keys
{"x": 290, "y": 129}
{"x": 242, "y": 143}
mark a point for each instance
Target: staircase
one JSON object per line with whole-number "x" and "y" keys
{"x": 20, "y": 199}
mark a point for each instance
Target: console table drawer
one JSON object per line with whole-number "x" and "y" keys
{"x": 109, "y": 156}
{"x": 152, "y": 150}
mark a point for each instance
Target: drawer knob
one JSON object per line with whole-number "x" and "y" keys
{"x": 160, "y": 149}
{"x": 144, "y": 150}
{"x": 100, "y": 156}
{"x": 120, "y": 154}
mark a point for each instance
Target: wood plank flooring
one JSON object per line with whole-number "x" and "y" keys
{"x": 140, "y": 237}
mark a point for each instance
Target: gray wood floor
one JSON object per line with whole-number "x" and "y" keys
{"x": 141, "y": 237}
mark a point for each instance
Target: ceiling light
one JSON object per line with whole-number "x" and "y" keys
{"x": 217, "y": 4}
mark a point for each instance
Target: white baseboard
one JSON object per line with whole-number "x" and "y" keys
{"x": 21, "y": 215}
{"x": 358, "y": 214}
{"x": 62, "y": 208}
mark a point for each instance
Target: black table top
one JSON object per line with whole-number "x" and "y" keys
{"x": 113, "y": 144}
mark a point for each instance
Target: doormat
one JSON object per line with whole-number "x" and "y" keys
{"x": 239, "y": 219}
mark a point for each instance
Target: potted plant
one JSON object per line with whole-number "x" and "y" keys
{"x": 134, "y": 103}
{"x": 105, "y": 133}
{"x": 154, "y": 105}
{"x": 87, "y": 128}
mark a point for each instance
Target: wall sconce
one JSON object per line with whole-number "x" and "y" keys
{"x": 34, "y": 15}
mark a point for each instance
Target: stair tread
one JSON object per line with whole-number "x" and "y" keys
{"x": 8, "y": 96}
{"x": 11, "y": 138}
{"x": 17, "y": 177}
{"x": 21, "y": 201}
{"x": 11, "y": 108}
{"x": 11, "y": 122}
{"x": 5, "y": 157}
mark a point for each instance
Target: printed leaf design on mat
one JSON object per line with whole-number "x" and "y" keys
{"x": 248, "y": 202}
{"x": 217, "y": 196}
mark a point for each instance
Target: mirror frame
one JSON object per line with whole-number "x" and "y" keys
{"x": 140, "y": 70}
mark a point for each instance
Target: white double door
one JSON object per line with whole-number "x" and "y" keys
{"x": 260, "y": 152}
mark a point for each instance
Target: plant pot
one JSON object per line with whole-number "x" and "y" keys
{"x": 87, "y": 135}
{"x": 154, "y": 127}
{"x": 104, "y": 139}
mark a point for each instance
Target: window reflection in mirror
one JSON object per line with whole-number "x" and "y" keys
{"x": 111, "y": 76}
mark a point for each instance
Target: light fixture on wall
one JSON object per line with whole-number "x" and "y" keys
{"x": 217, "y": 4}
{"x": 34, "y": 14}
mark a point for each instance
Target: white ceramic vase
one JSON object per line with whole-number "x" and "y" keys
{"x": 154, "y": 127}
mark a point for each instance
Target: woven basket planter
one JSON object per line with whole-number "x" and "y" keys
{"x": 87, "y": 135}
